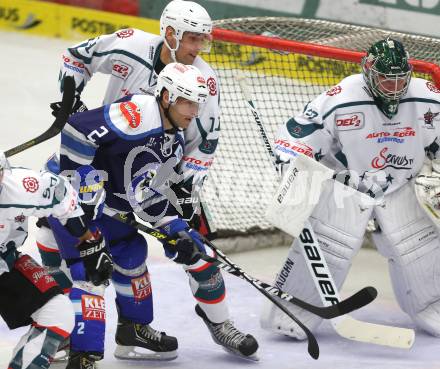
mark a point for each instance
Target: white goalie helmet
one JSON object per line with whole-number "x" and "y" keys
{"x": 185, "y": 16}
{"x": 184, "y": 81}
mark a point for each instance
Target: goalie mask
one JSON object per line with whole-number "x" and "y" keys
{"x": 387, "y": 73}
{"x": 186, "y": 16}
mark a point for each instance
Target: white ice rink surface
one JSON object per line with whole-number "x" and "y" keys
{"x": 28, "y": 83}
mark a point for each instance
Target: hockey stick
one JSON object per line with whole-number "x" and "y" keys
{"x": 345, "y": 326}
{"x": 354, "y": 302}
{"x": 312, "y": 348}
{"x": 57, "y": 125}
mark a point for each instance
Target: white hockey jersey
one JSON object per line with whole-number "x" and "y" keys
{"x": 25, "y": 193}
{"x": 129, "y": 56}
{"x": 345, "y": 129}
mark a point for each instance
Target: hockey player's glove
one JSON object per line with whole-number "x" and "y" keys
{"x": 97, "y": 260}
{"x": 187, "y": 198}
{"x": 193, "y": 210}
{"x": 189, "y": 246}
{"x": 78, "y": 107}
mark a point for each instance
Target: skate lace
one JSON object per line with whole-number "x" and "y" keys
{"x": 228, "y": 334}
{"x": 150, "y": 333}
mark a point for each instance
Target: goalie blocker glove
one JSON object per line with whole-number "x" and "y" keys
{"x": 97, "y": 260}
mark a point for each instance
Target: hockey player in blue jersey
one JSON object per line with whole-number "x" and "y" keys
{"x": 136, "y": 144}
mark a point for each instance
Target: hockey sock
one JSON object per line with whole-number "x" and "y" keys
{"x": 37, "y": 348}
{"x": 134, "y": 297}
{"x": 89, "y": 331}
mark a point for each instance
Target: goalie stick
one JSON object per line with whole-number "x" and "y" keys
{"x": 345, "y": 326}
{"x": 57, "y": 125}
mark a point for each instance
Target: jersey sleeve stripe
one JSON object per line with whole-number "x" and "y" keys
{"x": 74, "y": 157}
{"x": 83, "y": 148}
{"x": 88, "y": 60}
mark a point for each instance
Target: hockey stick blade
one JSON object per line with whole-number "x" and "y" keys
{"x": 354, "y": 302}
{"x": 57, "y": 125}
{"x": 377, "y": 334}
{"x": 312, "y": 347}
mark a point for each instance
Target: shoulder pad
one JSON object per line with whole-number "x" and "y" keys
{"x": 135, "y": 118}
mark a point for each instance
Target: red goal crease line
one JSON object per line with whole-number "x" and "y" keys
{"x": 220, "y": 34}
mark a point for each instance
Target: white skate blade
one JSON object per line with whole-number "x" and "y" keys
{"x": 377, "y": 334}
{"x": 140, "y": 353}
{"x": 253, "y": 357}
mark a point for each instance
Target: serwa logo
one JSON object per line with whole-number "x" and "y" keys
{"x": 387, "y": 160}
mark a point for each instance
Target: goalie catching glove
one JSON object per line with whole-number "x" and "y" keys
{"x": 427, "y": 188}
{"x": 189, "y": 245}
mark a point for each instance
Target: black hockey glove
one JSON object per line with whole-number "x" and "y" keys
{"x": 78, "y": 107}
{"x": 188, "y": 199}
{"x": 97, "y": 260}
{"x": 189, "y": 245}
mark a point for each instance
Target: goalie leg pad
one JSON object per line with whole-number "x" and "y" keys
{"x": 208, "y": 288}
{"x": 429, "y": 319}
{"x": 339, "y": 230}
{"x": 411, "y": 243}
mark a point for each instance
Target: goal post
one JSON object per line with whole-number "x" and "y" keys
{"x": 287, "y": 62}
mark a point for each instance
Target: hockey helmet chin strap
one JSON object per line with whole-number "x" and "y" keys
{"x": 172, "y": 51}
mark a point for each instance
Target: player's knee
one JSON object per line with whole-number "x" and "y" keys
{"x": 57, "y": 313}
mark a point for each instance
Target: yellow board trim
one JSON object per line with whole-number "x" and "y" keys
{"x": 68, "y": 22}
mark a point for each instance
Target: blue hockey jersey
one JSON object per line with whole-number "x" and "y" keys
{"x": 126, "y": 142}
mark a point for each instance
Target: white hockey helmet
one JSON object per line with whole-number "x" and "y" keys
{"x": 184, "y": 81}
{"x": 185, "y": 16}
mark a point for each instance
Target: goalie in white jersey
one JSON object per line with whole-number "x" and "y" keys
{"x": 379, "y": 130}
{"x": 29, "y": 295}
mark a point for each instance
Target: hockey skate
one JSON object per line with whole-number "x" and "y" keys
{"x": 230, "y": 338}
{"x": 141, "y": 342}
{"x": 83, "y": 360}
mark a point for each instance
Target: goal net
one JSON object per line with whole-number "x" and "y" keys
{"x": 286, "y": 62}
